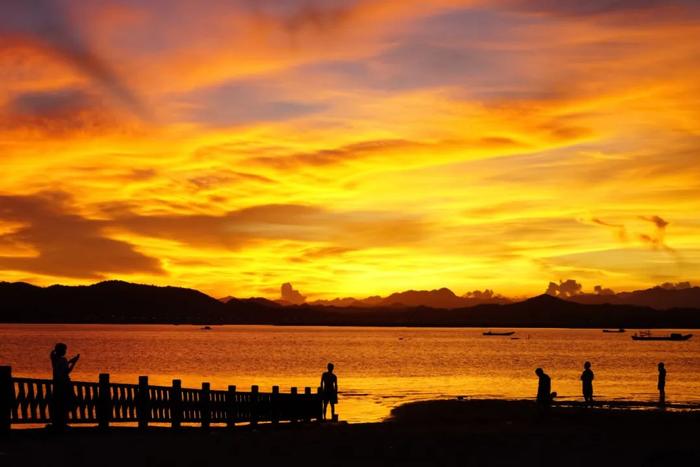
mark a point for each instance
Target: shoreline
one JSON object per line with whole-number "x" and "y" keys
{"x": 439, "y": 432}
{"x": 597, "y": 408}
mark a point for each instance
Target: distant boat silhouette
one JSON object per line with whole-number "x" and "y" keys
{"x": 206, "y": 328}
{"x": 647, "y": 336}
{"x": 615, "y": 330}
{"x": 505, "y": 333}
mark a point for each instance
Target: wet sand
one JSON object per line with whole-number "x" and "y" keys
{"x": 453, "y": 432}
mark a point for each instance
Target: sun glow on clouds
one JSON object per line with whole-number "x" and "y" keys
{"x": 350, "y": 147}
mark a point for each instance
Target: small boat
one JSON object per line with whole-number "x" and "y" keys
{"x": 614, "y": 330}
{"x": 206, "y": 328}
{"x": 505, "y": 333}
{"x": 647, "y": 336}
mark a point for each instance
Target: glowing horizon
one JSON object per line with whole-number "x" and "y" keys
{"x": 352, "y": 148}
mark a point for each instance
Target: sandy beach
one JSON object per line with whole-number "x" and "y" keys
{"x": 450, "y": 432}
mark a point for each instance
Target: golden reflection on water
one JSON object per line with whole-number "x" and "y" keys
{"x": 378, "y": 368}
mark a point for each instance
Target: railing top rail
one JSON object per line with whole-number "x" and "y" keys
{"x": 151, "y": 386}
{"x": 31, "y": 380}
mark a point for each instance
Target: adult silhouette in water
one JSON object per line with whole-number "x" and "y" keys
{"x": 544, "y": 388}
{"x": 587, "y": 382}
{"x": 329, "y": 390}
{"x": 62, "y": 401}
{"x": 662, "y": 384}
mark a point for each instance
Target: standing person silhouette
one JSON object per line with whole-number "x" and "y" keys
{"x": 587, "y": 382}
{"x": 62, "y": 400}
{"x": 329, "y": 390}
{"x": 661, "y": 385}
{"x": 544, "y": 388}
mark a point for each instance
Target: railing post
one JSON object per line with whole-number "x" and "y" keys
{"x": 231, "y": 407}
{"x": 176, "y": 404}
{"x": 143, "y": 406}
{"x": 204, "y": 405}
{"x": 274, "y": 405}
{"x": 293, "y": 405}
{"x": 307, "y": 403}
{"x": 104, "y": 409}
{"x": 7, "y": 398}
{"x": 319, "y": 404}
{"x": 254, "y": 405}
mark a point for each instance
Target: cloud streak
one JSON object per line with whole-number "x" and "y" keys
{"x": 46, "y": 24}
{"x": 66, "y": 244}
{"x": 620, "y": 229}
{"x": 658, "y": 239}
{"x": 244, "y": 227}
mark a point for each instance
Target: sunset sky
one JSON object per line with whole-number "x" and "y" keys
{"x": 350, "y": 147}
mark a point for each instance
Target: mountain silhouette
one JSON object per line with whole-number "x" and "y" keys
{"x": 344, "y": 302}
{"x": 438, "y": 298}
{"x": 109, "y": 301}
{"x": 660, "y": 297}
{"x": 545, "y": 301}
{"x": 656, "y": 297}
{"x": 123, "y": 302}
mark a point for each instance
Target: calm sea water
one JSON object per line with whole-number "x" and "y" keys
{"x": 378, "y": 368}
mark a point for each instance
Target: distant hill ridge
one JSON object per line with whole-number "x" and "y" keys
{"x": 438, "y": 298}
{"x": 123, "y": 302}
{"x": 655, "y": 297}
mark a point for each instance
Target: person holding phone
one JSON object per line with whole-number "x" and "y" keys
{"x": 62, "y": 400}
